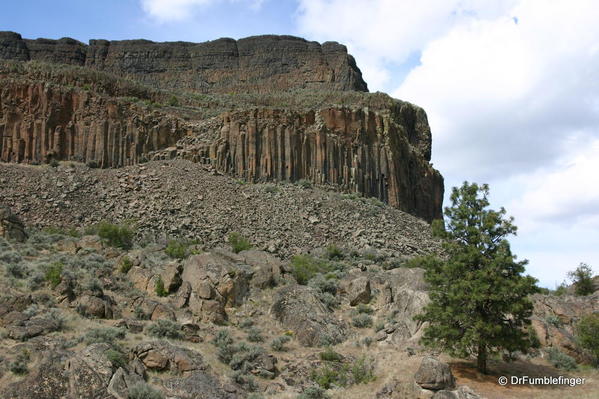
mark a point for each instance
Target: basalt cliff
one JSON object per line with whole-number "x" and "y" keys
{"x": 266, "y": 108}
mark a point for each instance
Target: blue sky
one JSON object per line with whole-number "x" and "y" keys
{"x": 511, "y": 87}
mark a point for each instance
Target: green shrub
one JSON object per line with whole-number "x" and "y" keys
{"x": 54, "y": 163}
{"x": 553, "y": 320}
{"x": 313, "y": 393}
{"x": 105, "y": 335}
{"x": 333, "y": 252}
{"x": 142, "y": 390}
{"x": 238, "y": 242}
{"x": 179, "y": 249}
{"x": 126, "y": 264}
{"x": 117, "y": 358}
{"x": 159, "y": 287}
{"x": 222, "y": 339}
{"x": 330, "y": 355}
{"x": 422, "y": 262}
{"x": 246, "y": 323}
{"x": 10, "y": 257}
{"x": 360, "y": 371}
{"x": 305, "y": 267}
{"x": 362, "y": 321}
{"x": 365, "y": 309}
{"x": 19, "y": 365}
{"x": 53, "y": 274}
{"x": 254, "y": 335}
{"x": 560, "y": 360}
{"x": 278, "y": 344}
{"x": 119, "y": 236}
{"x": 173, "y": 101}
{"x": 587, "y": 335}
{"x": 165, "y": 329}
{"x": 17, "y": 270}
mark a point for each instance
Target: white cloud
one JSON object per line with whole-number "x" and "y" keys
{"x": 177, "y": 10}
{"x": 502, "y": 96}
{"x": 383, "y": 32}
{"x": 511, "y": 89}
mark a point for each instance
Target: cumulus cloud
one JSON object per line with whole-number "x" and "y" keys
{"x": 177, "y": 10}
{"x": 511, "y": 89}
{"x": 381, "y": 33}
{"x": 502, "y": 94}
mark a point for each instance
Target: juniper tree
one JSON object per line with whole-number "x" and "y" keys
{"x": 479, "y": 295}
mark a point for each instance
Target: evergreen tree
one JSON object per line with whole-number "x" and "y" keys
{"x": 479, "y": 296}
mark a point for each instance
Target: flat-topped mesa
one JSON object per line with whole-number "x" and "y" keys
{"x": 254, "y": 64}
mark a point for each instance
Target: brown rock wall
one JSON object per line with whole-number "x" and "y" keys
{"x": 359, "y": 150}
{"x": 40, "y": 122}
{"x": 258, "y": 64}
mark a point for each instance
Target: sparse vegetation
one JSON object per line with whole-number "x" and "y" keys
{"x": 106, "y": 335}
{"x": 142, "y": 390}
{"x": 560, "y": 360}
{"x": 314, "y": 393}
{"x": 126, "y": 265}
{"x": 278, "y": 344}
{"x": 254, "y": 335}
{"x": 342, "y": 374}
{"x": 19, "y": 365}
{"x": 117, "y": 358}
{"x": 362, "y": 321}
{"x": 179, "y": 249}
{"x": 165, "y": 329}
{"x": 238, "y": 242}
{"x": 159, "y": 287}
{"x": 305, "y": 267}
{"x": 119, "y": 236}
{"x": 53, "y": 274}
{"x": 330, "y": 355}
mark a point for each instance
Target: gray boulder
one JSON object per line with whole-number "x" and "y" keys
{"x": 434, "y": 375}
{"x": 298, "y": 309}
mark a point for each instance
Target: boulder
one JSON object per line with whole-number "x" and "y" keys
{"x": 298, "y": 309}
{"x": 11, "y": 226}
{"x": 358, "y": 291}
{"x": 223, "y": 271}
{"x": 171, "y": 277}
{"x": 100, "y": 307}
{"x": 434, "y": 375}
{"x": 266, "y": 267}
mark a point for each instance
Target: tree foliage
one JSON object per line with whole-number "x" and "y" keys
{"x": 587, "y": 334}
{"x": 582, "y": 278}
{"x": 479, "y": 295}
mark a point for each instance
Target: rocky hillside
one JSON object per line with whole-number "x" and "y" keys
{"x": 258, "y": 64}
{"x": 369, "y": 144}
{"x": 181, "y": 199}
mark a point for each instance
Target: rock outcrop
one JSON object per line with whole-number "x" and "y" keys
{"x": 379, "y": 148}
{"x": 40, "y": 123}
{"x": 11, "y": 226}
{"x": 378, "y": 154}
{"x": 257, "y": 64}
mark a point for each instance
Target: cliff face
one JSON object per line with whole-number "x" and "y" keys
{"x": 381, "y": 155}
{"x": 39, "y": 123}
{"x": 256, "y": 64}
{"x": 375, "y": 145}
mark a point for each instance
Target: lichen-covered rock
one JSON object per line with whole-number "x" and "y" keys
{"x": 298, "y": 309}
{"x": 434, "y": 375}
